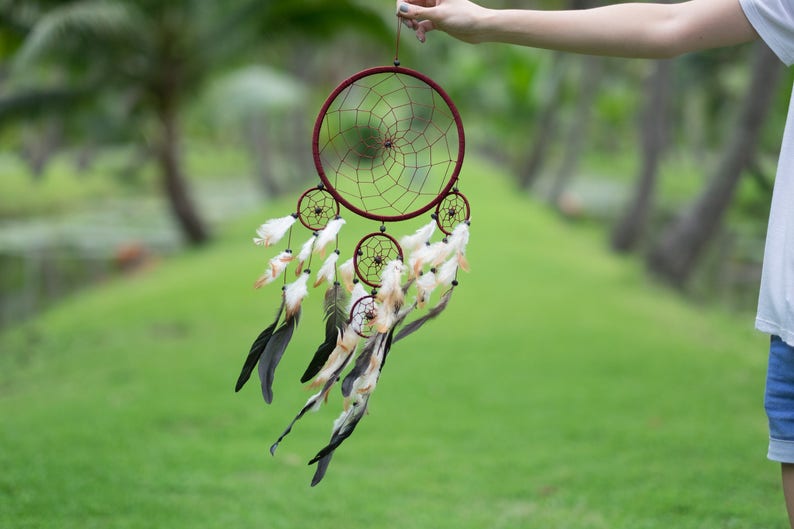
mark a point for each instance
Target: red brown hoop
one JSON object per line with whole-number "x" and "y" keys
{"x": 451, "y": 210}
{"x": 372, "y": 254}
{"x": 362, "y": 316}
{"x": 388, "y": 143}
{"x": 316, "y": 206}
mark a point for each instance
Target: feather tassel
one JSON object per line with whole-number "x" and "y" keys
{"x": 272, "y": 354}
{"x": 391, "y": 295}
{"x": 458, "y": 241}
{"x": 257, "y": 348}
{"x": 411, "y": 243}
{"x": 428, "y": 254}
{"x": 293, "y": 296}
{"x": 335, "y": 321}
{"x": 347, "y": 272}
{"x": 343, "y": 428}
{"x": 305, "y": 253}
{"x": 274, "y": 230}
{"x": 328, "y": 234}
{"x": 275, "y": 267}
{"x": 327, "y": 271}
{"x": 415, "y": 325}
{"x": 425, "y": 284}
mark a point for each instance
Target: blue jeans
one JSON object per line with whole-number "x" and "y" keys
{"x": 779, "y": 401}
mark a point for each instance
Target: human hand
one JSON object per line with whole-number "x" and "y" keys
{"x": 459, "y": 18}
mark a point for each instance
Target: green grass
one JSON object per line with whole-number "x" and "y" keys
{"x": 559, "y": 390}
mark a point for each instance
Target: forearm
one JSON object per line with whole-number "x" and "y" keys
{"x": 626, "y": 30}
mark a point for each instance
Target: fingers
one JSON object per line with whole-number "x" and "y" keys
{"x": 422, "y": 28}
{"x": 416, "y": 15}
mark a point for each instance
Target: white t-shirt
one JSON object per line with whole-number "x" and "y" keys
{"x": 774, "y": 22}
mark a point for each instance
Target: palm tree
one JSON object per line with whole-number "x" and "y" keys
{"x": 151, "y": 58}
{"x": 676, "y": 252}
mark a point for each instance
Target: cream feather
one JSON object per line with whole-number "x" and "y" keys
{"x": 305, "y": 253}
{"x": 328, "y": 234}
{"x": 391, "y": 295}
{"x": 347, "y": 272}
{"x": 276, "y": 266}
{"x": 411, "y": 243}
{"x": 327, "y": 271}
{"x": 425, "y": 284}
{"x": 458, "y": 241}
{"x": 429, "y": 254}
{"x": 345, "y": 345}
{"x": 294, "y": 294}
{"x": 445, "y": 274}
{"x": 273, "y": 230}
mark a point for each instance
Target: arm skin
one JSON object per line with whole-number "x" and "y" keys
{"x": 622, "y": 30}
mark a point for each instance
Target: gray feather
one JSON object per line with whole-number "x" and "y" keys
{"x": 336, "y": 315}
{"x": 272, "y": 354}
{"x": 415, "y": 325}
{"x": 257, "y": 348}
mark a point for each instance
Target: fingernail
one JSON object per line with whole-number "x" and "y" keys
{"x": 404, "y": 8}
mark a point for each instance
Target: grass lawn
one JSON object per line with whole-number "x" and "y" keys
{"x": 559, "y": 390}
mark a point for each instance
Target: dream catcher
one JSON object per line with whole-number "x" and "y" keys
{"x": 388, "y": 146}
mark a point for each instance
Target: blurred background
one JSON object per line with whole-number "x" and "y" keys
{"x": 597, "y": 368}
{"x": 131, "y": 130}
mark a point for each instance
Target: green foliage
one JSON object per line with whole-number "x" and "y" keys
{"x": 558, "y": 390}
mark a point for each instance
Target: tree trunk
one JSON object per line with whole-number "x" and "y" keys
{"x": 174, "y": 183}
{"x": 674, "y": 256}
{"x": 654, "y": 130}
{"x": 577, "y": 133}
{"x": 546, "y": 126}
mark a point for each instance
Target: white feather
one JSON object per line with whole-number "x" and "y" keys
{"x": 431, "y": 254}
{"x": 413, "y": 242}
{"x": 327, "y": 271}
{"x": 390, "y": 295}
{"x": 276, "y": 266}
{"x": 328, "y": 234}
{"x": 346, "y": 343}
{"x": 458, "y": 241}
{"x": 305, "y": 253}
{"x": 446, "y": 273}
{"x": 391, "y": 279}
{"x": 273, "y": 230}
{"x": 294, "y": 294}
{"x": 459, "y": 237}
{"x": 346, "y": 273}
{"x": 425, "y": 284}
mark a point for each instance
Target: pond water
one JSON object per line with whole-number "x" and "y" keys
{"x": 42, "y": 260}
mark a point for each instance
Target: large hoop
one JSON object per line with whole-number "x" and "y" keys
{"x": 388, "y": 143}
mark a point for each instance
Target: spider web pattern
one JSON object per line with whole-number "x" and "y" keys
{"x": 388, "y": 144}
{"x": 316, "y": 207}
{"x": 362, "y": 316}
{"x": 372, "y": 254}
{"x": 451, "y": 211}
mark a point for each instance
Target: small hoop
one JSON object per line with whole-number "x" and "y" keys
{"x": 372, "y": 254}
{"x": 316, "y": 206}
{"x": 452, "y": 210}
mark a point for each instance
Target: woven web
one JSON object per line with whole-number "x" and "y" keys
{"x": 388, "y": 144}
{"x": 372, "y": 254}
{"x": 316, "y": 207}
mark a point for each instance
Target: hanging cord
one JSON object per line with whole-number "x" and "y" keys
{"x": 397, "y": 45}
